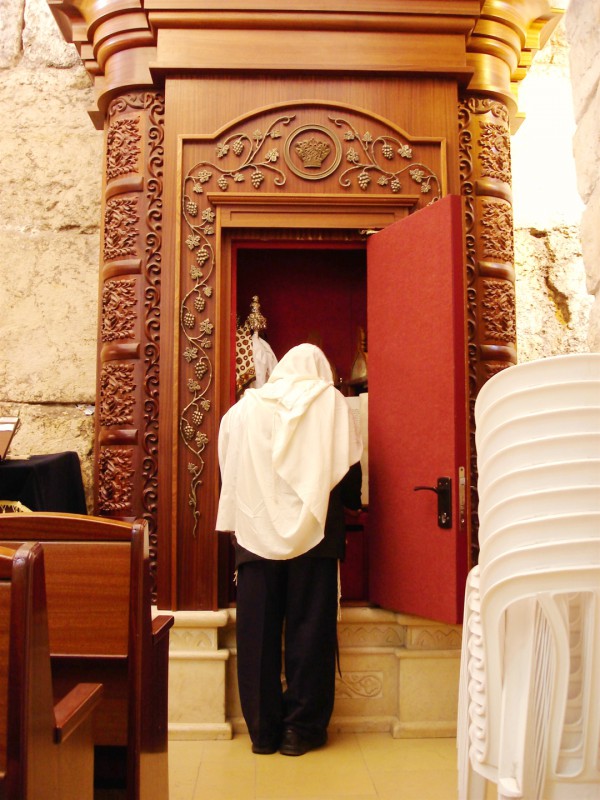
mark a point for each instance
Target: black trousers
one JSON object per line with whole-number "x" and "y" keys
{"x": 298, "y": 598}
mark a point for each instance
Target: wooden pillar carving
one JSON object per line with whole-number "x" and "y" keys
{"x": 484, "y": 143}
{"x": 499, "y": 51}
{"x": 128, "y": 378}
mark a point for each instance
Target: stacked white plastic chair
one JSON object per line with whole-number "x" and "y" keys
{"x": 529, "y": 698}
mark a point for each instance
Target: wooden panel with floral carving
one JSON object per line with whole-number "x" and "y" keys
{"x": 316, "y": 149}
{"x": 127, "y": 419}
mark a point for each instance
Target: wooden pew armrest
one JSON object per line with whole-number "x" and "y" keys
{"x": 161, "y": 626}
{"x": 73, "y": 709}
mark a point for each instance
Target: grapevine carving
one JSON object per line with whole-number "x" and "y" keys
{"x": 122, "y": 147}
{"x": 135, "y": 144}
{"x": 254, "y": 161}
{"x": 118, "y": 302}
{"x": 386, "y": 159}
{"x": 497, "y": 231}
{"x": 117, "y": 399}
{"x": 498, "y": 303}
{"x": 120, "y": 231}
{"x": 495, "y": 151}
{"x": 115, "y": 491}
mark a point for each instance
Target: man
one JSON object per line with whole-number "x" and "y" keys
{"x": 286, "y": 451}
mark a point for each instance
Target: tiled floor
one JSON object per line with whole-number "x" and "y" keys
{"x": 360, "y": 766}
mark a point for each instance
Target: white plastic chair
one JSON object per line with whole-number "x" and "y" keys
{"x": 541, "y": 477}
{"x": 529, "y": 427}
{"x": 543, "y": 530}
{"x": 531, "y": 505}
{"x": 529, "y": 717}
{"x": 567, "y": 553}
{"x": 536, "y": 452}
{"x": 536, "y": 399}
{"x": 557, "y": 369}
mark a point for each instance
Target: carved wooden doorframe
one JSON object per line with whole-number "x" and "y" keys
{"x": 127, "y": 439}
{"x": 485, "y": 175}
{"x": 301, "y": 164}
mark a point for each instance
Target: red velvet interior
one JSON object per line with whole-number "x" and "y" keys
{"x": 309, "y": 292}
{"x": 306, "y": 292}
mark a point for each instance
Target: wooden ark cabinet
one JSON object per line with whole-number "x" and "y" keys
{"x": 237, "y": 132}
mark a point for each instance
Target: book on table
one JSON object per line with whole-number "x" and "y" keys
{"x": 8, "y": 428}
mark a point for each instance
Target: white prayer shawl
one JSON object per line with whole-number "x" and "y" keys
{"x": 265, "y": 360}
{"x": 282, "y": 449}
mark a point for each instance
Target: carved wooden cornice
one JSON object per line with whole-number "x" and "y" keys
{"x": 501, "y": 48}
{"x": 131, "y": 44}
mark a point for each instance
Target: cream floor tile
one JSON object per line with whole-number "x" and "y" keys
{"x": 353, "y": 766}
{"x": 416, "y": 785}
{"x": 233, "y": 782}
{"x": 237, "y": 750}
{"x": 335, "y": 771}
{"x": 382, "y": 752}
{"x": 184, "y": 763}
{"x": 313, "y": 775}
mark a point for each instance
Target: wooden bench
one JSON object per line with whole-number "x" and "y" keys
{"x": 46, "y": 750}
{"x": 101, "y": 630}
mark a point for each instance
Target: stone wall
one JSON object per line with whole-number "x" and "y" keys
{"x": 553, "y": 304}
{"x": 582, "y": 25}
{"x": 51, "y": 157}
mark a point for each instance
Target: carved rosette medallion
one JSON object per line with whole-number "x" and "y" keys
{"x": 261, "y": 159}
{"x": 312, "y": 152}
{"x": 130, "y": 325}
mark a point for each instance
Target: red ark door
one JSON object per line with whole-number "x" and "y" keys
{"x": 418, "y": 412}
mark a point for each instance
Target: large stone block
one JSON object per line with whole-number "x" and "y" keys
{"x": 590, "y": 241}
{"x": 582, "y": 22}
{"x": 594, "y": 327}
{"x": 43, "y": 43}
{"x": 51, "y": 158}
{"x": 48, "y": 332}
{"x": 11, "y": 31}
{"x": 586, "y": 148}
{"x": 552, "y": 303}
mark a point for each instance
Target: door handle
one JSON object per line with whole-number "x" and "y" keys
{"x": 443, "y": 489}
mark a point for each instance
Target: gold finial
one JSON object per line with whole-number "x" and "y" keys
{"x": 256, "y": 321}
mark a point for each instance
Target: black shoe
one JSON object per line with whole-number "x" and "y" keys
{"x": 293, "y": 744}
{"x": 264, "y": 749}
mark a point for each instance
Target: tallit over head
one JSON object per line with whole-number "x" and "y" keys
{"x": 282, "y": 449}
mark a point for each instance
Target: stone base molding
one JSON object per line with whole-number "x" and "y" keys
{"x": 398, "y": 673}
